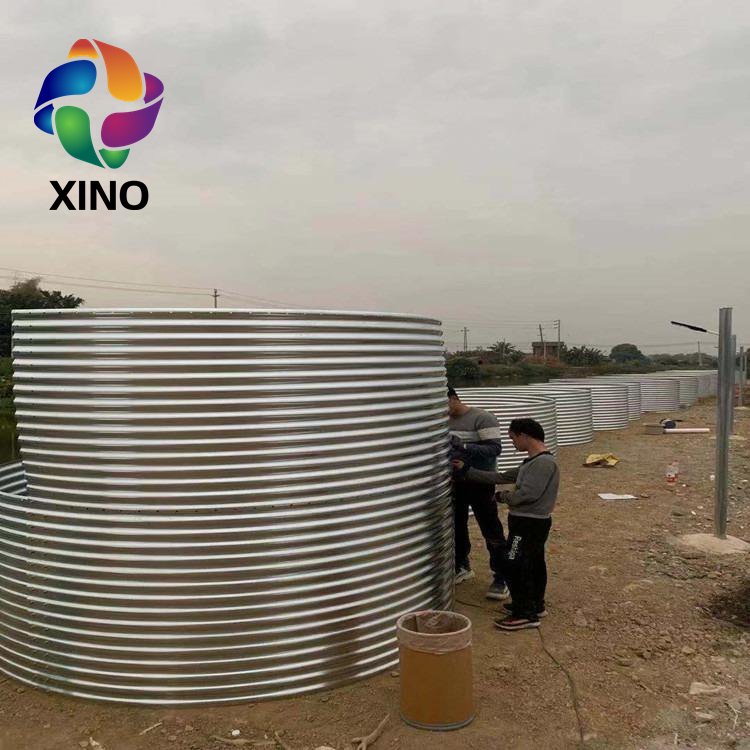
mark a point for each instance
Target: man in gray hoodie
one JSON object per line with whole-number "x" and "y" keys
{"x": 530, "y": 507}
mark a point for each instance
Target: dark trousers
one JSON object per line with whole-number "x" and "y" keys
{"x": 527, "y": 569}
{"x": 481, "y": 499}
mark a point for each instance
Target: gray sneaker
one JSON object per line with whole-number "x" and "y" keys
{"x": 508, "y": 610}
{"x": 464, "y": 574}
{"x": 498, "y": 591}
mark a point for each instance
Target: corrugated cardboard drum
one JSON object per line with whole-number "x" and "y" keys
{"x": 436, "y": 670}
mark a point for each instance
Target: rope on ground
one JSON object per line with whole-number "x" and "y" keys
{"x": 572, "y": 685}
{"x": 562, "y": 667}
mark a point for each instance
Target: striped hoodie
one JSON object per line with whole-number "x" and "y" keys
{"x": 480, "y": 434}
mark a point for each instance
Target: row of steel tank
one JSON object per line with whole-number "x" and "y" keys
{"x": 219, "y": 505}
{"x": 572, "y": 409}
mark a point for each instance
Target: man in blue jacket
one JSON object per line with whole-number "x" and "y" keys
{"x": 475, "y": 436}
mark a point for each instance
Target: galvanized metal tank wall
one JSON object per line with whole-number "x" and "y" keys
{"x": 707, "y": 380}
{"x": 687, "y": 389}
{"x": 610, "y": 402}
{"x": 573, "y": 408}
{"x": 658, "y": 393}
{"x": 222, "y": 505}
{"x": 508, "y": 407}
{"x": 635, "y": 409}
{"x": 12, "y": 478}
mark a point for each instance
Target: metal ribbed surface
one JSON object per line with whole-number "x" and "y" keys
{"x": 707, "y": 380}
{"x": 660, "y": 394}
{"x": 573, "y": 406}
{"x": 687, "y": 389}
{"x": 635, "y": 406}
{"x": 610, "y": 402}
{"x": 12, "y": 478}
{"x": 223, "y": 505}
{"x": 657, "y": 393}
{"x": 507, "y": 408}
{"x": 703, "y": 378}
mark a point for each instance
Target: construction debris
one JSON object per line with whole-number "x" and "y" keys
{"x": 151, "y": 728}
{"x": 601, "y": 461}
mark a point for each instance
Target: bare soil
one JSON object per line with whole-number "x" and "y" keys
{"x": 633, "y": 622}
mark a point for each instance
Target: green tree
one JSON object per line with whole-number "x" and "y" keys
{"x": 582, "y": 356}
{"x": 26, "y": 295}
{"x": 623, "y": 353}
{"x": 505, "y": 353}
{"x": 462, "y": 369}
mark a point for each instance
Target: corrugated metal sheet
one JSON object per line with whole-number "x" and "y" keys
{"x": 574, "y": 409}
{"x": 687, "y": 389}
{"x": 635, "y": 409}
{"x": 12, "y": 478}
{"x": 610, "y": 402}
{"x": 707, "y": 381}
{"x": 660, "y": 394}
{"x": 507, "y": 408}
{"x": 222, "y": 505}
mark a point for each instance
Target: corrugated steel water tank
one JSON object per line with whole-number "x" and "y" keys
{"x": 508, "y": 407}
{"x": 610, "y": 402}
{"x": 222, "y": 505}
{"x": 573, "y": 408}
{"x": 687, "y": 389}
{"x": 659, "y": 394}
{"x": 12, "y": 478}
{"x": 635, "y": 409}
{"x": 704, "y": 378}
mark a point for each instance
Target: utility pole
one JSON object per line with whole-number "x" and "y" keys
{"x": 466, "y": 339}
{"x": 559, "y": 343}
{"x": 700, "y": 356}
{"x": 215, "y": 295}
{"x": 724, "y": 421}
{"x": 544, "y": 345}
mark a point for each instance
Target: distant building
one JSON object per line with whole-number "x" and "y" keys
{"x": 550, "y": 349}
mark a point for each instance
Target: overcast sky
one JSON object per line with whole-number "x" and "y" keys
{"x": 480, "y": 162}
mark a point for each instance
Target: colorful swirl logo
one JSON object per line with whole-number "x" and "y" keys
{"x": 72, "y": 124}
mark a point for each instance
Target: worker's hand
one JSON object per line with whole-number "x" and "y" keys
{"x": 458, "y": 464}
{"x": 502, "y": 496}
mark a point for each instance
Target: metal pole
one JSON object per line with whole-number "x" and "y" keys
{"x": 544, "y": 344}
{"x": 723, "y": 422}
{"x": 734, "y": 383}
{"x": 741, "y": 395}
{"x": 559, "y": 352}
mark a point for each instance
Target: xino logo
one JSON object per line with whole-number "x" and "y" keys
{"x": 119, "y": 130}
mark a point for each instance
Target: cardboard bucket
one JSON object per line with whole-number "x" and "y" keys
{"x": 435, "y": 669}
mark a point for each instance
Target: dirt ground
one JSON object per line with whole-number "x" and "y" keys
{"x": 633, "y": 623}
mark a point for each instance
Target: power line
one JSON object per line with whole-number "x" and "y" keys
{"x": 138, "y": 286}
{"x": 104, "y": 281}
{"x": 252, "y": 298}
{"x": 129, "y": 289}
